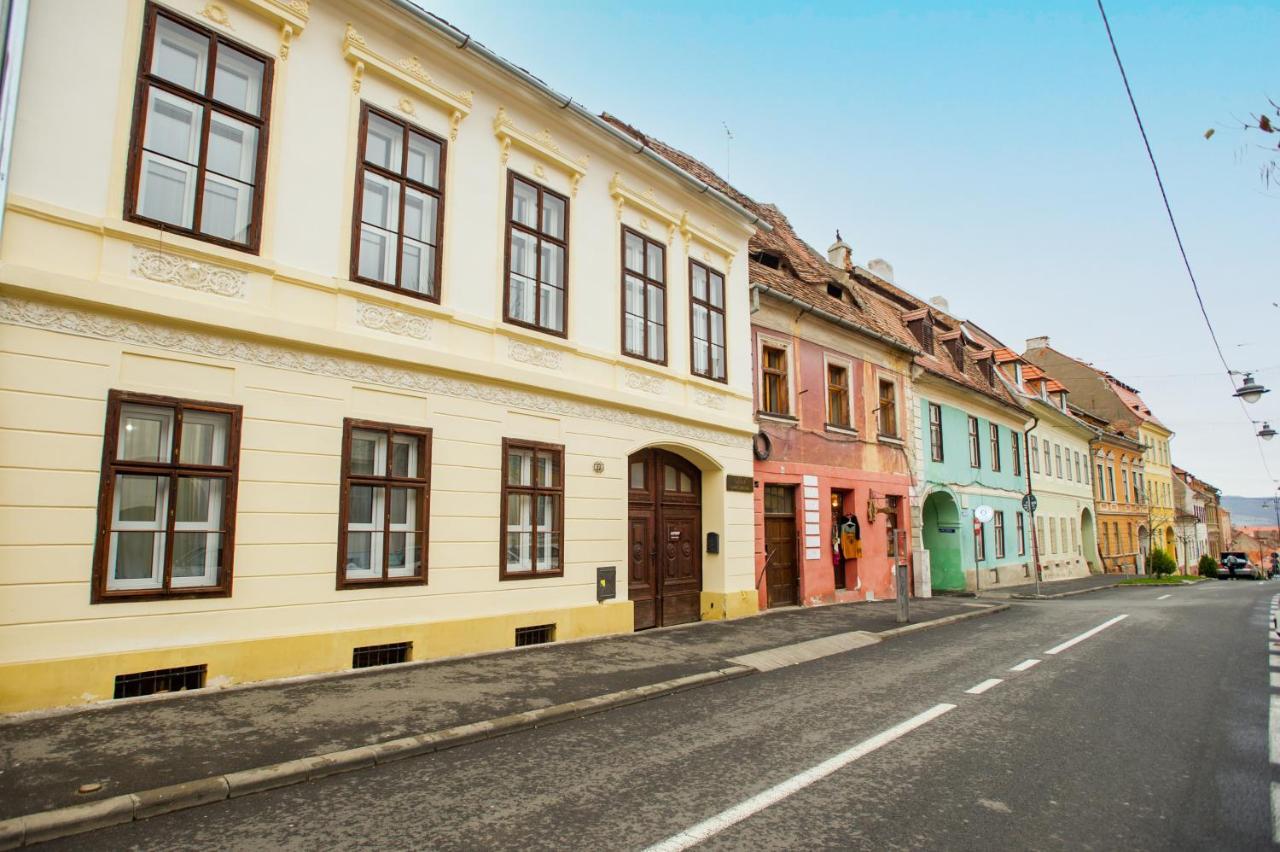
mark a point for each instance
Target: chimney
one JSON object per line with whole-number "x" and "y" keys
{"x": 941, "y": 304}
{"x": 840, "y": 255}
{"x": 1037, "y": 342}
{"x": 882, "y": 268}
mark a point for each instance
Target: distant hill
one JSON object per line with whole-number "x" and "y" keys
{"x": 1249, "y": 511}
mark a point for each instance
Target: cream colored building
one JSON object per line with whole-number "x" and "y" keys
{"x": 226, "y": 443}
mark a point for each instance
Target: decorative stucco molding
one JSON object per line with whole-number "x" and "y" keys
{"x": 644, "y": 382}
{"x": 141, "y": 333}
{"x": 707, "y": 236}
{"x": 393, "y": 321}
{"x": 708, "y": 399}
{"x": 407, "y": 73}
{"x": 185, "y": 272}
{"x": 530, "y": 353}
{"x": 645, "y": 202}
{"x": 290, "y": 15}
{"x": 540, "y": 145}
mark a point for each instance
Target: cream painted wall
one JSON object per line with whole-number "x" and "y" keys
{"x": 90, "y": 302}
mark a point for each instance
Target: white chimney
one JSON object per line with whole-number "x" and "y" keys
{"x": 881, "y": 267}
{"x": 1037, "y": 342}
{"x": 840, "y": 255}
{"x": 941, "y": 304}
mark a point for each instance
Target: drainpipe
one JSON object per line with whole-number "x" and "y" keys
{"x": 1035, "y": 540}
{"x": 10, "y": 73}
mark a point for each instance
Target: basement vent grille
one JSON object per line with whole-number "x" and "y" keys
{"x": 381, "y": 655}
{"x": 539, "y": 635}
{"x": 160, "y": 680}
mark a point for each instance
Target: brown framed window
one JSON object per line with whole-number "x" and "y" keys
{"x": 935, "y": 432}
{"x": 1033, "y": 454}
{"x": 1015, "y": 445}
{"x": 1021, "y": 523}
{"x": 384, "y": 504}
{"x": 774, "y": 395}
{"x": 644, "y": 297}
{"x": 532, "y": 509}
{"x": 891, "y": 505}
{"x": 979, "y": 542}
{"x": 997, "y": 531}
{"x": 706, "y": 321}
{"x": 838, "y": 395}
{"x": 166, "y": 510}
{"x": 537, "y": 291}
{"x": 888, "y": 414}
{"x": 975, "y": 446}
{"x": 399, "y": 212}
{"x": 995, "y": 446}
{"x": 198, "y": 153}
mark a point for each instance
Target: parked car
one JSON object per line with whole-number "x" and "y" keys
{"x": 1236, "y": 566}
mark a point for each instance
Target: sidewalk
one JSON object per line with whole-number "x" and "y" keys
{"x": 135, "y": 746}
{"x": 1056, "y": 587}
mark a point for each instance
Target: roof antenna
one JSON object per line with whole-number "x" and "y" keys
{"x": 728, "y": 139}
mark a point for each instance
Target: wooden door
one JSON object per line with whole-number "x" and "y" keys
{"x": 664, "y": 553}
{"x": 782, "y": 580}
{"x": 680, "y": 574}
{"x": 642, "y": 581}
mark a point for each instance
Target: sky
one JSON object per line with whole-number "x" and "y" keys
{"x": 986, "y": 150}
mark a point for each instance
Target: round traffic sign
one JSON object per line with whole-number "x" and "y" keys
{"x": 983, "y": 514}
{"x": 1029, "y": 503}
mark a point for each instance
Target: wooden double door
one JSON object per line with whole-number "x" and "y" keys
{"x": 664, "y": 571}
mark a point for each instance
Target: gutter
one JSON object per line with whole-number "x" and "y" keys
{"x": 15, "y": 30}
{"x": 464, "y": 42}
{"x": 831, "y": 318}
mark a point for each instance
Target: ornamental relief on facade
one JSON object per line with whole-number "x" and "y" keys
{"x": 187, "y": 273}
{"x": 392, "y": 321}
{"x": 708, "y": 399}
{"x": 140, "y": 333}
{"x": 530, "y": 353}
{"x": 644, "y": 382}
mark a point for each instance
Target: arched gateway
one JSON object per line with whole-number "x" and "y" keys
{"x": 664, "y": 553}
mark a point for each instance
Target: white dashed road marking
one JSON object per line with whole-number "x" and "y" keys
{"x": 709, "y": 828}
{"x": 1070, "y": 643}
{"x": 1162, "y": 597}
{"x": 1024, "y": 665}
{"x": 984, "y": 686}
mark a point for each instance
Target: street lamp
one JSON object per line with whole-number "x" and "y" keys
{"x": 1266, "y": 433}
{"x": 1249, "y": 390}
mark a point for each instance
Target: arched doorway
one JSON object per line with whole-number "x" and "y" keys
{"x": 1089, "y": 537}
{"x": 1170, "y": 543}
{"x": 664, "y": 561}
{"x": 1144, "y": 547}
{"x": 942, "y": 536}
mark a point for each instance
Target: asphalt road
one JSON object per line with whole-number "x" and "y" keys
{"x": 1151, "y": 733}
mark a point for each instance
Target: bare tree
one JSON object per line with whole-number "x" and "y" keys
{"x": 1262, "y": 122}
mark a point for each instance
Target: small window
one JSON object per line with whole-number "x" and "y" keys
{"x": 888, "y": 414}
{"x": 1048, "y": 460}
{"x": 532, "y": 510}
{"x": 390, "y": 654}
{"x": 197, "y": 160}
{"x": 1077, "y": 459}
{"x": 997, "y": 531}
{"x": 399, "y": 209}
{"x": 935, "y": 432}
{"x": 537, "y": 256}
{"x": 644, "y": 297}
{"x": 1020, "y": 522}
{"x": 1033, "y": 455}
{"x": 979, "y": 542}
{"x": 975, "y": 444}
{"x": 539, "y": 634}
{"x": 774, "y": 394}
{"x": 160, "y": 681}
{"x": 168, "y": 494}
{"x": 838, "y": 395}
{"x": 1015, "y": 445}
{"x": 1057, "y": 460}
{"x": 676, "y": 481}
{"x": 706, "y": 305}
{"x": 995, "y": 446}
{"x": 383, "y": 511}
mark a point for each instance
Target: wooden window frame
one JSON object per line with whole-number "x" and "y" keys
{"x": 511, "y": 223}
{"x": 1076, "y": 456}
{"x": 646, "y": 283}
{"x": 1057, "y": 460}
{"x": 997, "y": 532}
{"x": 975, "y": 444}
{"x": 1020, "y": 522}
{"x": 711, "y": 309}
{"x": 387, "y": 481}
{"x": 145, "y": 80}
{"x": 896, "y": 434}
{"x": 229, "y": 473}
{"x": 404, "y": 182}
{"x": 937, "y": 450}
{"x": 979, "y": 544}
{"x": 534, "y": 491}
{"x": 845, "y": 409}
{"x": 784, "y": 374}
{"x": 1033, "y": 453}
{"x": 994, "y": 430}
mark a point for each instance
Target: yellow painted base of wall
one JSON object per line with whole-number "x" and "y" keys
{"x": 83, "y": 680}
{"x": 718, "y": 605}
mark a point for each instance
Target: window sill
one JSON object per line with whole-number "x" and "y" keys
{"x": 778, "y": 418}
{"x": 890, "y": 439}
{"x": 138, "y": 595}
{"x": 529, "y": 575}
{"x": 348, "y": 585}
{"x": 842, "y": 430}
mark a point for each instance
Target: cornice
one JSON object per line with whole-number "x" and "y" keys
{"x": 540, "y": 145}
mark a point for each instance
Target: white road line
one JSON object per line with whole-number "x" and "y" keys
{"x": 1162, "y": 597}
{"x": 984, "y": 686}
{"x": 709, "y": 828}
{"x": 1058, "y": 649}
{"x": 1024, "y": 665}
{"x": 1273, "y": 729}
{"x": 1275, "y": 812}
{"x": 1275, "y": 680}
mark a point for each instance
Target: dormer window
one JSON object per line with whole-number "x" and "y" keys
{"x": 836, "y": 292}
{"x": 954, "y": 345}
{"x": 920, "y": 323}
{"x": 769, "y": 259}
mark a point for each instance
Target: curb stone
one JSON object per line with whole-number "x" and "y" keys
{"x": 76, "y": 819}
